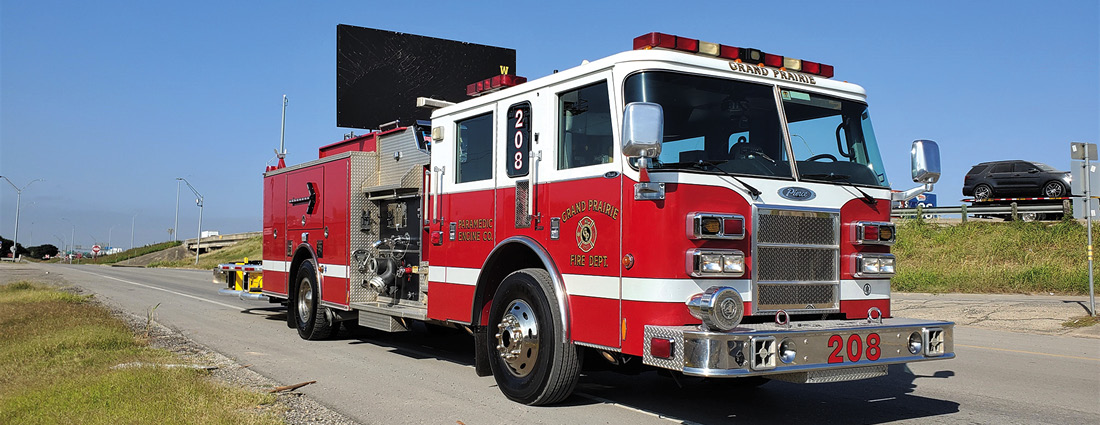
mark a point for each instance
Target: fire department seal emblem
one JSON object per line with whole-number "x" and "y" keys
{"x": 586, "y": 234}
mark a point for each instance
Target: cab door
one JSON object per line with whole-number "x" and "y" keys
{"x": 583, "y": 170}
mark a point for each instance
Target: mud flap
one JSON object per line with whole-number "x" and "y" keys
{"x": 291, "y": 312}
{"x": 481, "y": 352}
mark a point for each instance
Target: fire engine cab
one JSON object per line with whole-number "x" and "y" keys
{"x": 713, "y": 210}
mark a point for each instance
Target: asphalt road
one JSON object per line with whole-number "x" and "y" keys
{"x": 422, "y": 377}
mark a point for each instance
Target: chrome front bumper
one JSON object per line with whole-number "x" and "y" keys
{"x": 813, "y": 351}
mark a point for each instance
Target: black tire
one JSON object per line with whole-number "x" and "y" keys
{"x": 1054, "y": 189}
{"x": 311, "y": 317}
{"x": 983, "y": 191}
{"x": 538, "y": 368}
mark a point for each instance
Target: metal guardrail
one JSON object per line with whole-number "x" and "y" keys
{"x": 1013, "y": 210}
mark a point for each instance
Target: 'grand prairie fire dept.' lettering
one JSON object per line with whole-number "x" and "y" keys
{"x": 593, "y": 205}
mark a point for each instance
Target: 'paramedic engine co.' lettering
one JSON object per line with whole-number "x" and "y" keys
{"x": 470, "y": 230}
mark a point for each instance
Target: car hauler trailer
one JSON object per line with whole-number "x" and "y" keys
{"x": 713, "y": 210}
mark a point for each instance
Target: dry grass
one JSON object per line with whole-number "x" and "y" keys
{"x": 56, "y": 356}
{"x": 986, "y": 257}
{"x": 249, "y": 248}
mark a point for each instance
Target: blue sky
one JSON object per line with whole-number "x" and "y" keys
{"x": 110, "y": 101}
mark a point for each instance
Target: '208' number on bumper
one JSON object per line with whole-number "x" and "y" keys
{"x": 854, "y": 348}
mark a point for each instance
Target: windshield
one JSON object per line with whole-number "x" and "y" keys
{"x": 832, "y": 139}
{"x": 734, "y": 126}
{"x": 728, "y": 124}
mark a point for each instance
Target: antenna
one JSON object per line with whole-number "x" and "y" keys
{"x": 281, "y": 153}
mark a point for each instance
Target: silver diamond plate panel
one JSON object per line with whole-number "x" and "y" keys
{"x": 797, "y": 264}
{"x": 364, "y": 168}
{"x": 833, "y": 375}
{"x": 677, "y": 337}
{"x": 523, "y": 217}
{"x": 797, "y": 227}
{"x": 398, "y": 157}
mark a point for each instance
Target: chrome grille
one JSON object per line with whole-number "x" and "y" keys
{"x": 797, "y": 227}
{"x": 796, "y": 261}
{"x": 777, "y": 263}
{"x": 797, "y": 296}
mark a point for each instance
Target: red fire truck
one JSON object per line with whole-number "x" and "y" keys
{"x": 713, "y": 210}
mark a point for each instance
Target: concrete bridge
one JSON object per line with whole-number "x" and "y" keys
{"x": 220, "y": 241}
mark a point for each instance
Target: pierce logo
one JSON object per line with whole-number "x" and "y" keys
{"x": 796, "y": 193}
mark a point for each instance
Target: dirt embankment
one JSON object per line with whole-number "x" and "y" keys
{"x": 170, "y": 254}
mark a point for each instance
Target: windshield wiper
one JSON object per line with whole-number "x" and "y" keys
{"x": 705, "y": 165}
{"x": 843, "y": 178}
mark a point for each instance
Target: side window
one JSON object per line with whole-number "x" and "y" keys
{"x": 978, "y": 169}
{"x": 1002, "y": 168}
{"x": 584, "y": 136}
{"x": 475, "y": 149}
{"x": 1023, "y": 167}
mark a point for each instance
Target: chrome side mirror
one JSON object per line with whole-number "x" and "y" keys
{"x": 926, "y": 161}
{"x": 643, "y": 129}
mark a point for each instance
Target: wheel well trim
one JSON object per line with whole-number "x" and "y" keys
{"x": 556, "y": 280}
{"x": 304, "y": 252}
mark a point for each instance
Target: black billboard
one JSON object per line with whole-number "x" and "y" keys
{"x": 379, "y": 74}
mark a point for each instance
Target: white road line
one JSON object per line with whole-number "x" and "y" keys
{"x": 636, "y": 410}
{"x": 165, "y": 290}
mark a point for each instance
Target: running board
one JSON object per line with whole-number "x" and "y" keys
{"x": 386, "y": 317}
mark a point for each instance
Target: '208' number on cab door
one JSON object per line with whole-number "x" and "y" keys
{"x": 854, "y": 348}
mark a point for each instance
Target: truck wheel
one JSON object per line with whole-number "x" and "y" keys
{"x": 1054, "y": 189}
{"x": 310, "y": 314}
{"x": 983, "y": 192}
{"x": 530, "y": 362}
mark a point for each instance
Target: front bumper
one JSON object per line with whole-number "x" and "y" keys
{"x": 813, "y": 351}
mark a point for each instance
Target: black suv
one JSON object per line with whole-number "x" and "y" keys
{"x": 999, "y": 179}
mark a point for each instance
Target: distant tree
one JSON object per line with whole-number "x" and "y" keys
{"x": 41, "y": 251}
{"x": 5, "y": 248}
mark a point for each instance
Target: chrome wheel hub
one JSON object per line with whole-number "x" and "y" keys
{"x": 518, "y": 338}
{"x": 305, "y": 300}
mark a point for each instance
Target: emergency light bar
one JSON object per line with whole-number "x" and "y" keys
{"x": 490, "y": 85}
{"x": 737, "y": 54}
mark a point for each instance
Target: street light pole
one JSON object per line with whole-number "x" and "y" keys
{"x": 132, "y": 221}
{"x": 198, "y": 200}
{"x": 176, "y": 224}
{"x": 18, "y": 197}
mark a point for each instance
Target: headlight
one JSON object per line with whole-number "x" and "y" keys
{"x": 719, "y": 307}
{"x": 715, "y": 263}
{"x": 873, "y": 265}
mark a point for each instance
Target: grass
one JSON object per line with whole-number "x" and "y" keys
{"x": 137, "y": 252}
{"x": 251, "y": 248}
{"x": 1082, "y": 322}
{"x": 57, "y": 351}
{"x": 992, "y": 257}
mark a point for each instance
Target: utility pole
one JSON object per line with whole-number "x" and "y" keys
{"x": 18, "y": 197}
